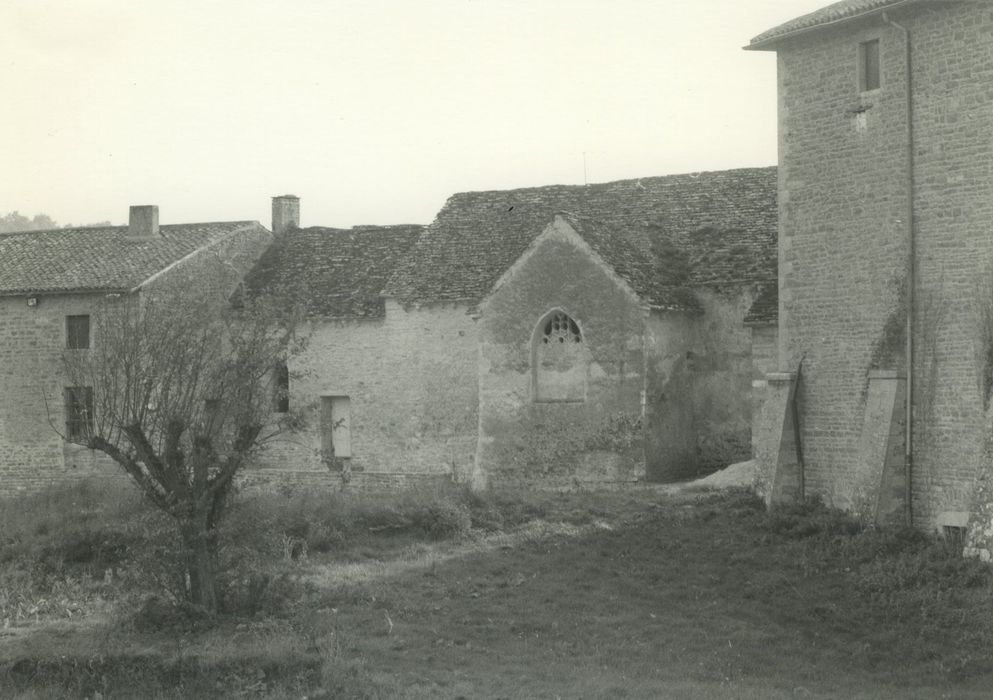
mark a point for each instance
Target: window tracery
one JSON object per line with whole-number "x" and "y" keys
{"x": 561, "y": 329}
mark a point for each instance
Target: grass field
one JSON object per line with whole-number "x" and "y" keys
{"x": 598, "y": 595}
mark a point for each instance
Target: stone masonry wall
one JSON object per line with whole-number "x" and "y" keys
{"x": 699, "y": 393}
{"x": 765, "y": 350}
{"x": 672, "y": 347}
{"x": 843, "y": 242}
{"x": 411, "y": 382}
{"x": 595, "y": 439}
{"x": 722, "y": 367}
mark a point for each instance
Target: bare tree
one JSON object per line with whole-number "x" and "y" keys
{"x": 178, "y": 390}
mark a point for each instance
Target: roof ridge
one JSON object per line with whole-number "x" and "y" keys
{"x": 71, "y": 229}
{"x": 361, "y": 227}
{"x": 688, "y": 174}
{"x": 34, "y": 232}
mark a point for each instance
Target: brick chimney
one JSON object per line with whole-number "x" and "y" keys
{"x": 143, "y": 221}
{"x": 285, "y": 213}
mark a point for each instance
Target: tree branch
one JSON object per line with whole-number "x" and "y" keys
{"x": 147, "y": 485}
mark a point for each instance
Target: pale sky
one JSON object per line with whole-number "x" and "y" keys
{"x": 373, "y": 111}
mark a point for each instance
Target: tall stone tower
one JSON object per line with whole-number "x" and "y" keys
{"x": 886, "y": 250}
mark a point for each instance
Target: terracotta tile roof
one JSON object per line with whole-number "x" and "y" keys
{"x": 836, "y": 12}
{"x": 337, "y": 273}
{"x": 765, "y": 308}
{"x": 98, "y": 259}
{"x": 702, "y": 228}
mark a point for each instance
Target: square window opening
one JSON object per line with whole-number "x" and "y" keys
{"x": 954, "y": 535}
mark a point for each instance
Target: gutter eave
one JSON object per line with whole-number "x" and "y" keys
{"x": 769, "y": 43}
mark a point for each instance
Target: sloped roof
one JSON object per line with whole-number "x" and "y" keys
{"x": 721, "y": 225}
{"x": 98, "y": 259}
{"x": 765, "y": 308}
{"x": 833, "y": 13}
{"x": 660, "y": 280}
{"x": 336, "y": 273}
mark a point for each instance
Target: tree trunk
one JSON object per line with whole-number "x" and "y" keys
{"x": 200, "y": 552}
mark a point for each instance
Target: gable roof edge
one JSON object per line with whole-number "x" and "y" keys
{"x": 176, "y": 263}
{"x": 562, "y": 217}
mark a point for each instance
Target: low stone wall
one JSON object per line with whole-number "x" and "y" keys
{"x": 262, "y": 480}
{"x": 40, "y": 481}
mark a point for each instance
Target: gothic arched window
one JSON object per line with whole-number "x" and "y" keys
{"x": 559, "y": 359}
{"x": 560, "y": 329}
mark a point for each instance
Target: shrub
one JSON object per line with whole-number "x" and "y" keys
{"x": 324, "y": 537}
{"x": 443, "y": 519}
{"x": 810, "y": 518}
{"x": 160, "y": 615}
{"x": 80, "y": 524}
{"x": 323, "y": 523}
{"x": 94, "y": 548}
{"x": 927, "y": 565}
{"x": 501, "y": 509}
{"x": 263, "y": 593}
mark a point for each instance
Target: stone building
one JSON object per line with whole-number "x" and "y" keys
{"x": 52, "y": 285}
{"x": 553, "y": 335}
{"x": 885, "y": 297}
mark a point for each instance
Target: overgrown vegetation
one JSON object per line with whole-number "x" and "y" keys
{"x": 432, "y": 594}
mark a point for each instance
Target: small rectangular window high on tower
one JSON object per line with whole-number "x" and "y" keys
{"x": 869, "y": 65}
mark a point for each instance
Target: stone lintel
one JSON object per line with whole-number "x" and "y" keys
{"x": 953, "y": 518}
